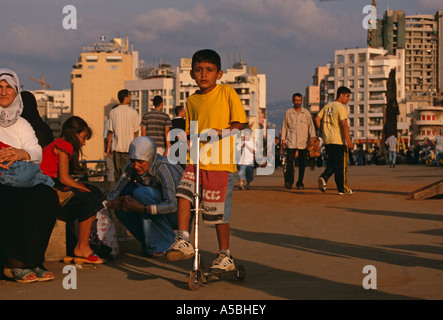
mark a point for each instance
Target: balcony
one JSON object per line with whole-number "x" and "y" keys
{"x": 377, "y": 87}
{"x": 377, "y": 99}
{"x": 379, "y": 74}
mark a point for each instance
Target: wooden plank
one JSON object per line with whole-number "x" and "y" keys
{"x": 429, "y": 191}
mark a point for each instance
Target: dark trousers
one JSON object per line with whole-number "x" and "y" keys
{"x": 27, "y": 218}
{"x": 120, "y": 160}
{"x": 337, "y": 165}
{"x": 301, "y": 162}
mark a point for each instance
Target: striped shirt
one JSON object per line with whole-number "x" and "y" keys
{"x": 155, "y": 122}
{"x": 164, "y": 176}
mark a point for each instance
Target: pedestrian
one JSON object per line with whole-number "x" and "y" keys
{"x": 123, "y": 128}
{"x": 156, "y": 124}
{"x": 217, "y": 107}
{"x": 298, "y": 132}
{"x": 392, "y": 143}
{"x": 332, "y": 120}
{"x": 146, "y": 204}
{"x": 245, "y": 149}
{"x": 439, "y": 148}
{"x": 179, "y": 124}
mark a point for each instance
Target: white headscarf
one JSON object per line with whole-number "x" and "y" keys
{"x": 142, "y": 148}
{"x": 10, "y": 115}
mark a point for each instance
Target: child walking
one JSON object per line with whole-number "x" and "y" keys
{"x": 217, "y": 107}
{"x": 60, "y": 159}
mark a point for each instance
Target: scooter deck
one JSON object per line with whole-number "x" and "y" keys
{"x": 238, "y": 272}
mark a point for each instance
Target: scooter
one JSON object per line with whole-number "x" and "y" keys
{"x": 198, "y": 275}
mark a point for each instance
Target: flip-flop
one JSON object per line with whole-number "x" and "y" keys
{"x": 40, "y": 272}
{"x": 92, "y": 258}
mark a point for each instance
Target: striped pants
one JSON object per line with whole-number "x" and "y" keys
{"x": 337, "y": 164}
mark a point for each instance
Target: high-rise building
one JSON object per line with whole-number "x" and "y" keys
{"x": 421, "y": 35}
{"x": 97, "y": 76}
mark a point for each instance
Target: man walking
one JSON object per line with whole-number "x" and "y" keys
{"x": 391, "y": 143}
{"x": 332, "y": 120}
{"x": 123, "y": 128}
{"x": 156, "y": 124}
{"x": 297, "y": 131}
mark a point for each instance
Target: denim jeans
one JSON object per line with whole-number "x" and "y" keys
{"x": 246, "y": 172}
{"x": 392, "y": 157}
{"x": 154, "y": 232}
{"x": 22, "y": 174}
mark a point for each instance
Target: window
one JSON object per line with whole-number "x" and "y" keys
{"x": 361, "y": 108}
{"x": 361, "y": 71}
{"x": 361, "y": 122}
{"x": 340, "y": 72}
{"x": 350, "y": 71}
{"x": 361, "y": 83}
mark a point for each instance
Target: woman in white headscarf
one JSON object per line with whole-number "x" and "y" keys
{"x": 27, "y": 215}
{"x": 144, "y": 197}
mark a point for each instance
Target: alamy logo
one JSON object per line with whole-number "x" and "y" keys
{"x": 70, "y": 20}
{"x": 370, "y": 21}
{"x": 211, "y": 151}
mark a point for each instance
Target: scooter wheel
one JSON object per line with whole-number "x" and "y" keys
{"x": 241, "y": 273}
{"x": 195, "y": 280}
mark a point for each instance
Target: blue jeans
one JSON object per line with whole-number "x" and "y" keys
{"x": 392, "y": 157}
{"x": 246, "y": 172}
{"x": 154, "y": 232}
{"x": 22, "y": 174}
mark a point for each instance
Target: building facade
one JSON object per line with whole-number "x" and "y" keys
{"x": 421, "y": 35}
{"x": 97, "y": 76}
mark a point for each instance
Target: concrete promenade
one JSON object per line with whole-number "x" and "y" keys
{"x": 294, "y": 244}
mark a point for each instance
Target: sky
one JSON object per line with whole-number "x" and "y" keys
{"x": 284, "y": 39}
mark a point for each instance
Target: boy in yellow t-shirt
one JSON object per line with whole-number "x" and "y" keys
{"x": 215, "y": 109}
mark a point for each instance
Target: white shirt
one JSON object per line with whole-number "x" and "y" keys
{"x": 246, "y": 147}
{"x": 392, "y": 143}
{"x": 20, "y": 135}
{"x": 124, "y": 122}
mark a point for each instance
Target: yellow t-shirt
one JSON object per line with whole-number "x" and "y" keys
{"x": 331, "y": 115}
{"x": 215, "y": 110}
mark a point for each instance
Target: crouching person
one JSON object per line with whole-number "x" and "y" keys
{"x": 144, "y": 197}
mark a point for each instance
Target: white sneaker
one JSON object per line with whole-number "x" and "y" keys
{"x": 322, "y": 184}
{"x": 346, "y": 192}
{"x": 223, "y": 263}
{"x": 180, "y": 250}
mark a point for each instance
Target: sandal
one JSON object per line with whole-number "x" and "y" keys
{"x": 19, "y": 275}
{"x": 41, "y": 273}
{"x": 92, "y": 258}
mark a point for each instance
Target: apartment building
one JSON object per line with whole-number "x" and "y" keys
{"x": 54, "y": 106}
{"x": 151, "y": 82}
{"x": 97, "y": 76}
{"x": 421, "y": 35}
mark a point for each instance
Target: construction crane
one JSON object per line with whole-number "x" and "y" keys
{"x": 42, "y": 82}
